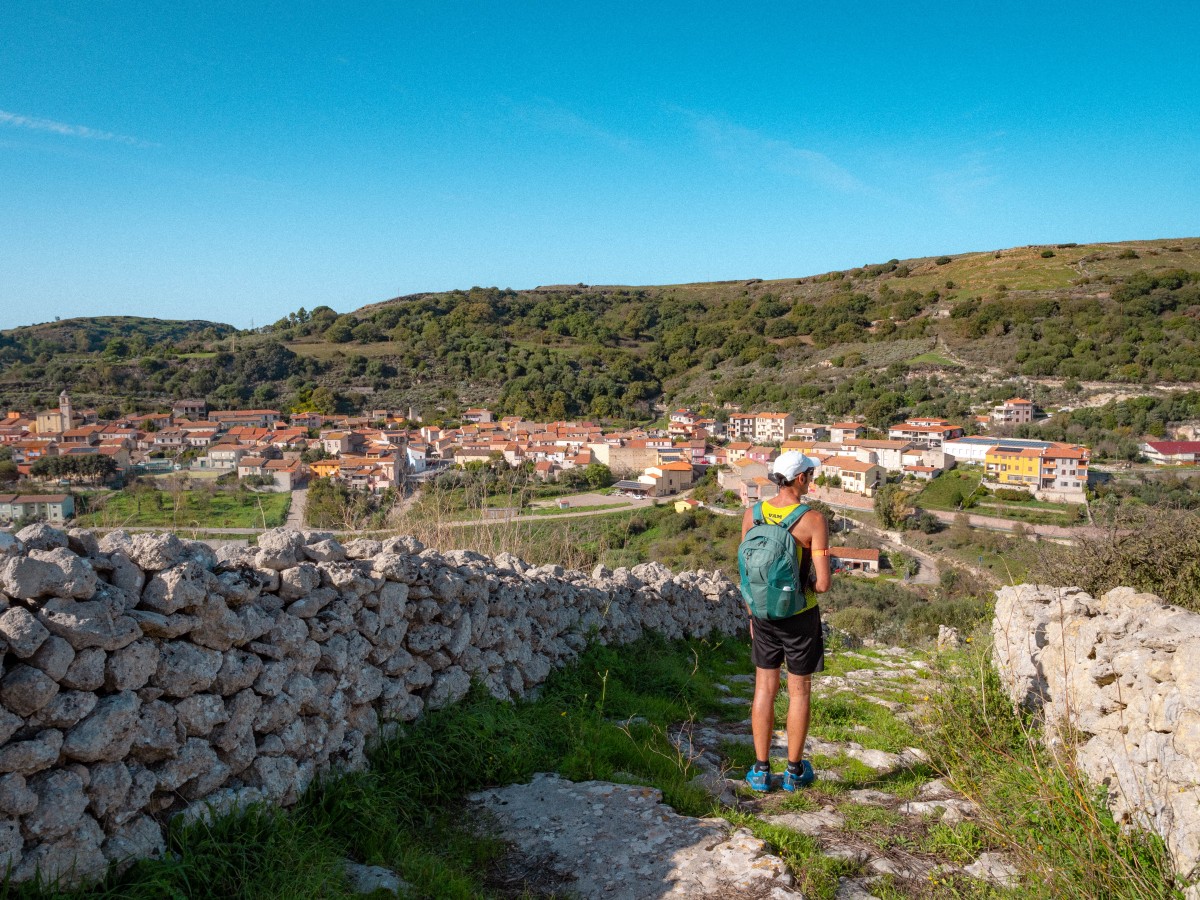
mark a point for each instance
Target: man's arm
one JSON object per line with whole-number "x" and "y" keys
{"x": 747, "y": 524}
{"x": 813, "y": 532}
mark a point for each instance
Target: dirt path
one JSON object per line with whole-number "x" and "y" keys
{"x": 879, "y": 825}
{"x": 875, "y": 824}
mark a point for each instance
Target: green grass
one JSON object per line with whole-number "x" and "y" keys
{"x": 405, "y": 812}
{"x": 945, "y": 491}
{"x": 1034, "y": 803}
{"x": 196, "y": 510}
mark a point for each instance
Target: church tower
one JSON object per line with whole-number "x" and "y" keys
{"x": 64, "y": 407}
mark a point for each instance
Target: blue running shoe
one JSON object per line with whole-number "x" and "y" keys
{"x": 806, "y": 777}
{"x": 759, "y": 780}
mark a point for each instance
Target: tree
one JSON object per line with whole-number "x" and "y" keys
{"x": 891, "y": 505}
{"x": 598, "y": 475}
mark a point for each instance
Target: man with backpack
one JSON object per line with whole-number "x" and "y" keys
{"x": 783, "y": 561}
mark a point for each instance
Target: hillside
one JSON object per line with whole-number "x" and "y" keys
{"x": 930, "y": 335}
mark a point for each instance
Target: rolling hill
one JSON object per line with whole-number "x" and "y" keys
{"x": 930, "y": 335}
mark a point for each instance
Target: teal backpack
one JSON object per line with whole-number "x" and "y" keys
{"x": 771, "y": 580}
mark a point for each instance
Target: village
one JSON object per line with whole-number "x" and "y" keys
{"x": 384, "y": 449}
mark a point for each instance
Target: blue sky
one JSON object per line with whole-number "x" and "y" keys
{"x": 236, "y": 161}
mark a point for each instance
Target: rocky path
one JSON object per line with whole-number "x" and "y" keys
{"x": 877, "y": 822}
{"x": 884, "y": 824}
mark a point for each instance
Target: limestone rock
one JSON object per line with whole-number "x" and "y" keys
{"x": 199, "y": 714}
{"x": 155, "y": 552}
{"x": 369, "y": 879}
{"x": 70, "y": 860}
{"x": 181, "y": 587}
{"x": 40, "y": 536}
{"x": 65, "y": 710}
{"x": 31, "y": 579}
{"x": 23, "y": 632}
{"x": 54, "y": 657}
{"x": 131, "y": 667}
{"x": 185, "y": 669}
{"x": 280, "y": 549}
{"x": 614, "y": 840}
{"x": 61, "y": 803}
{"x": 109, "y": 786}
{"x": 140, "y": 838}
{"x": 16, "y": 799}
{"x": 86, "y": 672}
{"x": 28, "y": 757}
{"x": 994, "y": 868}
{"x": 11, "y": 844}
{"x": 25, "y": 690}
{"x": 89, "y": 624}
{"x": 106, "y": 734}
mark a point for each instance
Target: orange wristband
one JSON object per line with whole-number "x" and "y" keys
{"x": 820, "y": 553}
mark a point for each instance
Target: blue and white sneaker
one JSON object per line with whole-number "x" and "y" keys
{"x": 806, "y": 777}
{"x": 759, "y": 779}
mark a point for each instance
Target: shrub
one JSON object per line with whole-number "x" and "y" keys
{"x": 942, "y": 260}
{"x": 926, "y": 522}
{"x": 1012, "y": 494}
{"x": 1128, "y": 253}
{"x": 1146, "y": 548}
{"x": 1047, "y": 254}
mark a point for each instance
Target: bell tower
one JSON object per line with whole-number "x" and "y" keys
{"x": 64, "y": 407}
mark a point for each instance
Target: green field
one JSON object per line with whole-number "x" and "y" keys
{"x": 196, "y": 509}
{"x": 945, "y": 491}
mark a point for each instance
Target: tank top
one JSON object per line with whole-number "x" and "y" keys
{"x": 773, "y": 515}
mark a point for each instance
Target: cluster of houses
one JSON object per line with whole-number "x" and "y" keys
{"x": 382, "y": 448}
{"x": 920, "y": 448}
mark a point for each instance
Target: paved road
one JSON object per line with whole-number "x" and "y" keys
{"x": 295, "y": 517}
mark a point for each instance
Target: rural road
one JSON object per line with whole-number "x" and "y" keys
{"x": 295, "y": 516}
{"x": 466, "y": 523}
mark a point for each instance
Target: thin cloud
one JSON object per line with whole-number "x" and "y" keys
{"x": 550, "y": 116}
{"x": 962, "y": 187}
{"x": 748, "y": 147}
{"x": 30, "y": 123}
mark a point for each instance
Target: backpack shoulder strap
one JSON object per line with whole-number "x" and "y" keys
{"x": 758, "y": 513}
{"x": 793, "y": 517}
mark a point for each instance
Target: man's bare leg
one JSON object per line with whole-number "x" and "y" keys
{"x": 762, "y": 712}
{"x": 799, "y": 694}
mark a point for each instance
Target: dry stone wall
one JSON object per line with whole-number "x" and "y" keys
{"x": 147, "y": 676}
{"x": 1123, "y": 672}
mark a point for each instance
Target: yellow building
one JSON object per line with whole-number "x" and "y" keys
{"x": 1014, "y": 467}
{"x": 1058, "y": 469}
{"x": 325, "y": 468}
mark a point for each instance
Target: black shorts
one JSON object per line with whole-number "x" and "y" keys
{"x": 796, "y": 639}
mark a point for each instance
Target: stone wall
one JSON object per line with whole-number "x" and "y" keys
{"x": 1123, "y": 671}
{"x": 147, "y": 676}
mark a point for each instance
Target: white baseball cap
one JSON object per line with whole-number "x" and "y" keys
{"x": 792, "y": 463}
